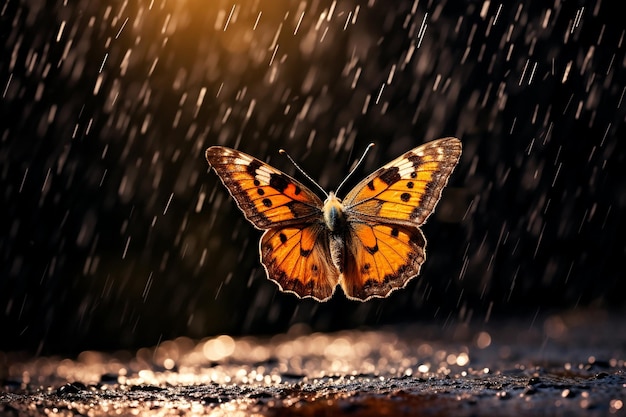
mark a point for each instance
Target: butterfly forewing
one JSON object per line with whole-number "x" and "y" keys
{"x": 265, "y": 195}
{"x": 406, "y": 190}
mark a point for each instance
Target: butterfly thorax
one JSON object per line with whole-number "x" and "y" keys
{"x": 334, "y": 213}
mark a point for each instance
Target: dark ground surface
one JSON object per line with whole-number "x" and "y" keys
{"x": 562, "y": 364}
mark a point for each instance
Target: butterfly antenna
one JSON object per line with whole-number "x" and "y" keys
{"x": 283, "y": 152}
{"x": 355, "y": 167}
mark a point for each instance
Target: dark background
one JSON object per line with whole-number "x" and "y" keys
{"x": 114, "y": 234}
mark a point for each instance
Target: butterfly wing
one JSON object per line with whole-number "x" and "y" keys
{"x": 294, "y": 248}
{"x": 406, "y": 190}
{"x": 384, "y": 246}
{"x": 381, "y": 258}
{"x": 265, "y": 195}
{"x": 297, "y": 258}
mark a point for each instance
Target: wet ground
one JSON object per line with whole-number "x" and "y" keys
{"x": 563, "y": 364}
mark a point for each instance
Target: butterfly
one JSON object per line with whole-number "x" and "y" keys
{"x": 369, "y": 242}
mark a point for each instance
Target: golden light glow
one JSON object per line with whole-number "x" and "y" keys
{"x": 219, "y": 348}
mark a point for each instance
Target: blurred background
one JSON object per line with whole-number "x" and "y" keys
{"x": 114, "y": 234}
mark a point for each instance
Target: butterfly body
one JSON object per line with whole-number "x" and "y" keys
{"x": 333, "y": 213}
{"x": 369, "y": 242}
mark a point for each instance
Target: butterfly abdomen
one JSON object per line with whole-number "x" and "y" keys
{"x": 337, "y": 225}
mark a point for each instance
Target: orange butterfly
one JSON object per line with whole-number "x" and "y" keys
{"x": 369, "y": 242}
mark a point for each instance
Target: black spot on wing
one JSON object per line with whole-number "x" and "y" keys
{"x": 415, "y": 160}
{"x": 305, "y": 252}
{"x": 390, "y": 175}
{"x": 252, "y": 167}
{"x": 371, "y": 186}
{"x": 372, "y": 250}
{"x": 267, "y": 202}
{"x": 282, "y": 237}
{"x": 279, "y": 182}
{"x": 405, "y": 197}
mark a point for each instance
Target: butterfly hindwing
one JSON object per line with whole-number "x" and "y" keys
{"x": 406, "y": 190}
{"x": 265, "y": 195}
{"x": 297, "y": 258}
{"x": 381, "y": 258}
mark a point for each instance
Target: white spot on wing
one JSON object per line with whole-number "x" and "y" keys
{"x": 263, "y": 174}
{"x": 241, "y": 160}
{"x": 406, "y": 172}
{"x": 405, "y": 167}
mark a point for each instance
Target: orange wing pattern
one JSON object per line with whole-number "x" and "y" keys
{"x": 381, "y": 258}
{"x": 266, "y": 196}
{"x": 406, "y": 190}
{"x": 297, "y": 258}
